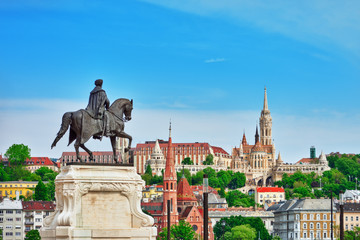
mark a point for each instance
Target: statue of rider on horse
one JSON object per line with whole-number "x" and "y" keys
{"x": 97, "y": 120}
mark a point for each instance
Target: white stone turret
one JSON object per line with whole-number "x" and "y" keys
{"x": 279, "y": 161}
{"x": 322, "y": 159}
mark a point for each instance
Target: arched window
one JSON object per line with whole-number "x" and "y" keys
{"x": 318, "y": 225}
{"x": 324, "y": 216}
{"x": 304, "y": 216}
{"x": 311, "y": 226}
{"x": 325, "y": 226}
{"x": 305, "y": 226}
{"x": 317, "y": 216}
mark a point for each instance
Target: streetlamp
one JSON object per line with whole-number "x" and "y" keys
{"x": 341, "y": 216}
{"x": 205, "y": 197}
{"x": 223, "y": 223}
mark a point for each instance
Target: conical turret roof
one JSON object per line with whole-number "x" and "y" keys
{"x": 184, "y": 192}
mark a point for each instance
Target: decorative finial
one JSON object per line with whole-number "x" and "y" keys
{"x": 170, "y": 129}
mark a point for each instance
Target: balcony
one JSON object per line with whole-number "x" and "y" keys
{"x": 29, "y": 222}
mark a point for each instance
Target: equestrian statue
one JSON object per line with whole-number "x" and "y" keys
{"x": 97, "y": 120}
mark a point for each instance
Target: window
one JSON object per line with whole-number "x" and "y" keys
{"x": 18, "y": 234}
{"x": 305, "y": 236}
{"x": 8, "y": 227}
{"x": 325, "y": 235}
{"x": 347, "y": 227}
{"x": 18, "y": 227}
{"x": 9, "y": 234}
{"x": 1, "y": 220}
{"x": 38, "y": 219}
{"x": 261, "y": 196}
{"x": 305, "y": 226}
{"x": 9, "y": 211}
{"x": 9, "y": 219}
{"x": 325, "y": 226}
{"x": 297, "y": 216}
{"x": 324, "y": 216}
{"x": 311, "y": 226}
{"x": 311, "y": 216}
{"x": 346, "y": 218}
{"x": 317, "y": 216}
{"x": 1, "y": 212}
{"x": 357, "y": 218}
{"x": 318, "y": 226}
{"x": 18, "y": 211}
{"x": 18, "y": 219}
{"x": 304, "y": 216}
{"x": 352, "y": 218}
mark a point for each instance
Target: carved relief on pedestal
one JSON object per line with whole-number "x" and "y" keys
{"x": 76, "y": 192}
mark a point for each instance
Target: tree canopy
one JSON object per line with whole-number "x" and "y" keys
{"x": 17, "y": 154}
{"x": 209, "y": 160}
{"x": 182, "y": 231}
{"x": 187, "y": 161}
{"x": 33, "y": 235}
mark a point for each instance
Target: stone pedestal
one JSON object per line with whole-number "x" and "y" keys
{"x": 98, "y": 202}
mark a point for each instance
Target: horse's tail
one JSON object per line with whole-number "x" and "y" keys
{"x": 66, "y": 121}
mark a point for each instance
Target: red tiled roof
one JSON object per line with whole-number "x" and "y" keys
{"x": 45, "y": 161}
{"x": 184, "y": 193}
{"x": 269, "y": 189}
{"x": 306, "y": 160}
{"x": 164, "y": 144}
{"x": 219, "y": 150}
{"x": 38, "y": 205}
{"x": 86, "y": 154}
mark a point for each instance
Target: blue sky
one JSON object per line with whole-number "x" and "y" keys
{"x": 204, "y": 64}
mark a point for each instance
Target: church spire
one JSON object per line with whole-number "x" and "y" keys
{"x": 170, "y": 129}
{"x": 265, "y": 101}
{"x": 256, "y": 134}
{"x": 244, "y": 142}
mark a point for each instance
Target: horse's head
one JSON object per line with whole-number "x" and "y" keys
{"x": 128, "y": 110}
{"x": 122, "y": 106}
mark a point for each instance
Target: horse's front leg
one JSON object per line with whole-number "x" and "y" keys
{"x": 113, "y": 144}
{"x": 125, "y": 135}
{"x": 91, "y": 157}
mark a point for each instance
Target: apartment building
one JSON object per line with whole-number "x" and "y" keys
{"x": 351, "y": 215}
{"x": 303, "y": 219}
{"x": 11, "y": 219}
{"x": 9, "y": 189}
{"x": 34, "y": 213}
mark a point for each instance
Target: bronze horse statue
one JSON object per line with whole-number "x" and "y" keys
{"x": 83, "y": 126}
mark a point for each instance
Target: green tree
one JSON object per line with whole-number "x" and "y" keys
{"x": 46, "y": 174}
{"x": 33, "y": 235}
{"x": 41, "y": 193}
{"x": 276, "y": 237}
{"x": 209, "y": 160}
{"x": 1, "y": 234}
{"x": 243, "y": 232}
{"x": 148, "y": 170}
{"x": 17, "y": 154}
{"x": 227, "y": 236}
{"x": 183, "y": 231}
{"x": 147, "y": 178}
{"x": 239, "y": 199}
{"x": 163, "y": 234}
{"x": 238, "y": 180}
{"x": 226, "y": 224}
{"x": 197, "y": 179}
{"x": 187, "y": 161}
{"x": 50, "y": 186}
{"x": 4, "y": 176}
{"x": 187, "y": 174}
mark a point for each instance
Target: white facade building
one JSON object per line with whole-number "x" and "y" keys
{"x": 11, "y": 219}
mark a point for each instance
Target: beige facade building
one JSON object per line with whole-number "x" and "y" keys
{"x": 303, "y": 219}
{"x": 153, "y": 152}
{"x": 259, "y": 163}
{"x": 269, "y": 195}
{"x": 351, "y": 215}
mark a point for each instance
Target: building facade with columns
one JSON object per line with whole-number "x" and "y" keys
{"x": 153, "y": 152}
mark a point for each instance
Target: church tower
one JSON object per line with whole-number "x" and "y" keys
{"x": 265, "y": 123}
{"x": 170, "y": 187}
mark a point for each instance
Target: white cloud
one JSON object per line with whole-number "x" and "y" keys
{"x": 322, "y": 23}
{"x": 214, "y": 60}
{"x": 293, "y": 134}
